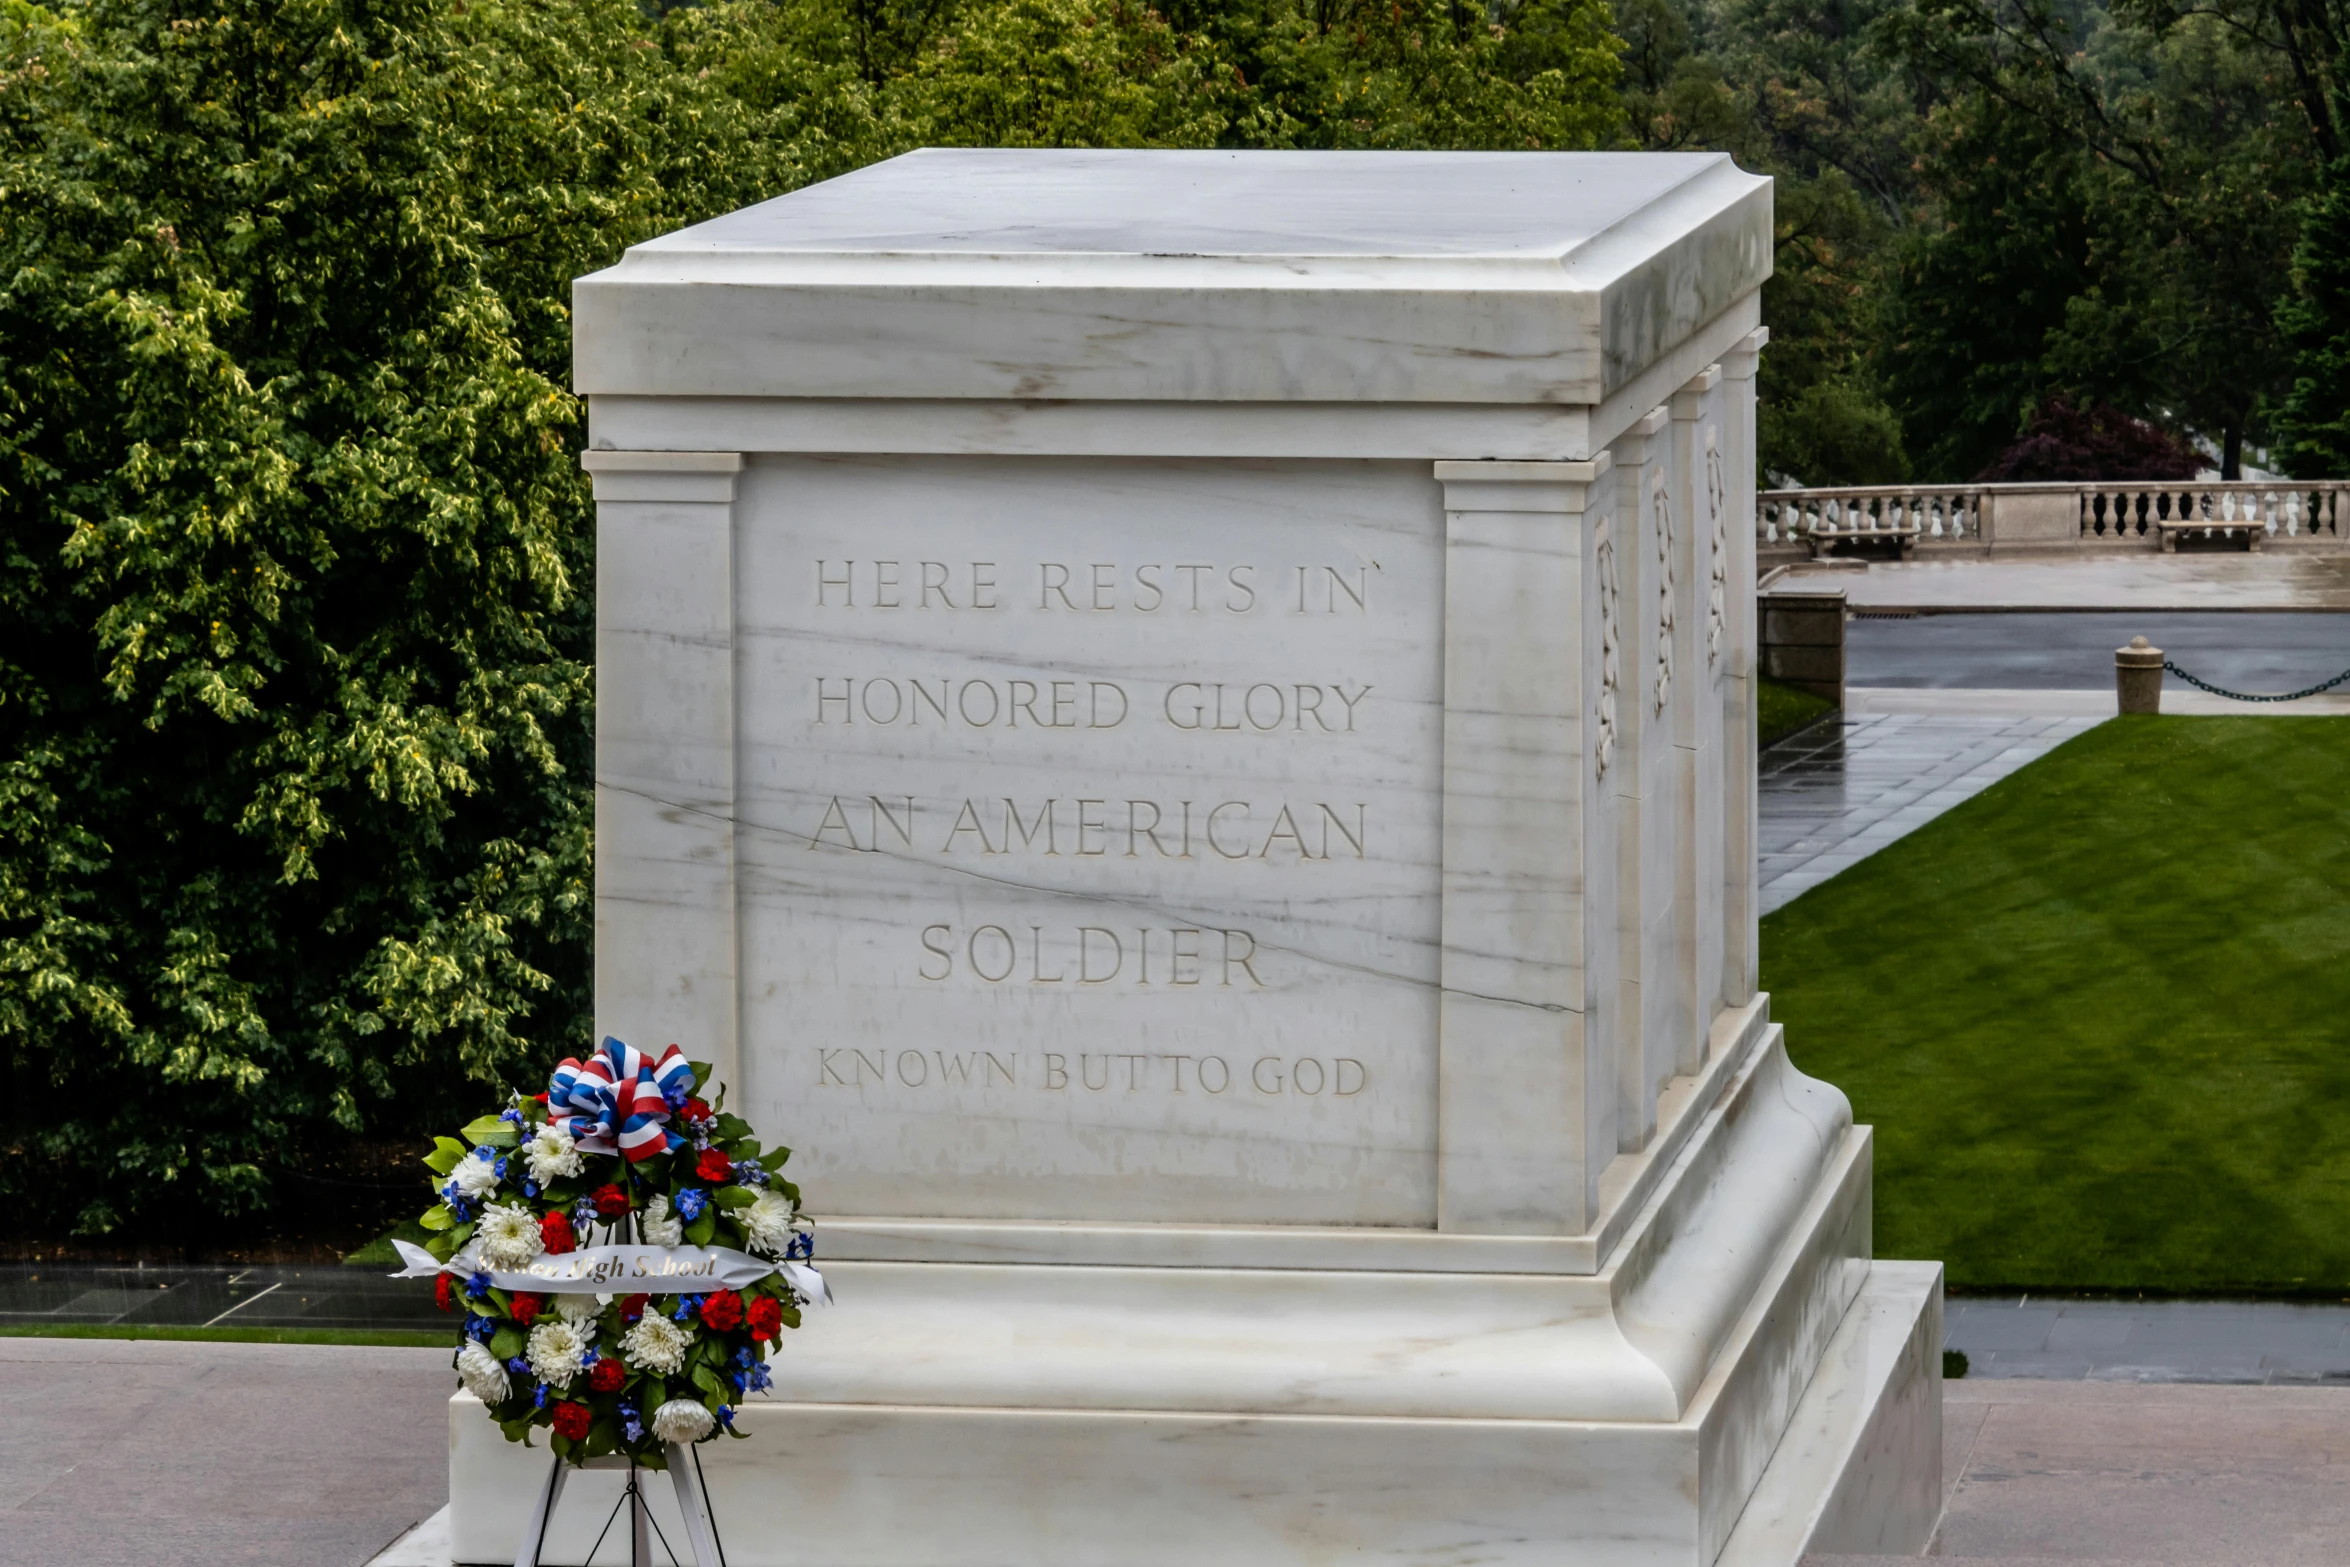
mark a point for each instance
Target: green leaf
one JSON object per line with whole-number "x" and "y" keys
{"x": 706, "y": 1379}
{"x": 518, "y": 1428}
{"x": 702, "y": 1071}
{"x": 492, "y": 1132}
{"x": 438, "y": 1217}
{"x": 699, "y": 1232}
{"x": 731, "y": 1127}
{"x": 507, "y": 1342}
{"x": 446, "y": 1151}
{"x": 733, "y": 1197}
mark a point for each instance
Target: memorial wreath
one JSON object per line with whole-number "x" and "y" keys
{"x": 624, "y": 1253}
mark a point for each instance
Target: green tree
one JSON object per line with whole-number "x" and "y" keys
{"x": 2315, "y": 419}
{"x": 294, "y": 836}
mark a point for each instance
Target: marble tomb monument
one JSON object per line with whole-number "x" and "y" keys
{"x": 1181, "y": 724}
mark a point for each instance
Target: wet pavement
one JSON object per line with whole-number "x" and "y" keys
{"x": 1847, "y": 786}
{"x": 2135, "y": 581}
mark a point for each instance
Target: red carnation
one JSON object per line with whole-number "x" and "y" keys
{"x": 633, "y": 1307}
{"x": 444, "y": 1292}
{"x": 611, "y": 1202}
{"x": 714, "y": 1167}
{"x": 695, "y": 1110}
{"x": 723, "y": 1311}
{"x": 555, "y": 1233}
{"x": 572, "y": 1420}
{"x": 528, "y": 1306}
{"x": 606, "y": 1375}
{"x": 766, "y": 1318}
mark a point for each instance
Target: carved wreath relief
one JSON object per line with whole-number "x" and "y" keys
{"x": 1611, "y": 665}
{"x": 1661, "y": 498}
{"x": 1717, "y": 597}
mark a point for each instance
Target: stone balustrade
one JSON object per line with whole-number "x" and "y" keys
{"x": 2149, "y": 514}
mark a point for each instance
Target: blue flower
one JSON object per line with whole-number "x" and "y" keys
{"x": 480, "y": 1328}
{"x": 583, "y": 1213}
{"x": 726, "y": 1416}
{"x": 518, "y": 1365}
{"x": 478, "y": 1285}
{"x": 686, "y": 1305}
{"x": 539, "y": 1399}
{"x": 750, "y": 1172}
{"x": 691, "y": 1202}
{"x": 588, "y": 1357}
{"x": 501, "y": 1169}
{"x": 511, "y": 1115}
{"x": 802, "y": 1247}
{"x": 760, "y": 1378}
{"x": 676, "y": 1093}
{"x": 530, "y": 1188}
{"x": 486, "y": 1154}
{"x": 633, "y": 1431}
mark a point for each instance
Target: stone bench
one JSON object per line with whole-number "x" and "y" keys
{"x": 2253, "y": 529}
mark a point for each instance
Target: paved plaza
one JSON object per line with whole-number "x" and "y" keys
{"x": 141, "y": 1454}
{"x": 2133, "y": 581}
{"x": 2267, "y": 1342}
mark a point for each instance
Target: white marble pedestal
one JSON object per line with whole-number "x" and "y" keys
{"x": 1182, "y": 726}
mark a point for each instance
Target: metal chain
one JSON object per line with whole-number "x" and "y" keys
{"x": 2255, "y": 696}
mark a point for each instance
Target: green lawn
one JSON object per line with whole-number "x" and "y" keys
{"x": 2100, "y": 1014}
{"x": 1781, "y": 709}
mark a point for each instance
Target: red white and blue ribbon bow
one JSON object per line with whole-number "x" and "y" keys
{"x": 620, "y": 1101}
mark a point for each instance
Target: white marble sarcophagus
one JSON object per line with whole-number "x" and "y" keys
{"x": 1181, "y": 724}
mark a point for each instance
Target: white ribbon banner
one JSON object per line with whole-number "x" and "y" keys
{"x": 624, "y": 1270}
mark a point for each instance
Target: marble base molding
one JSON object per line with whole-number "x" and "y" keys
{"x": 1738, "y": 1350}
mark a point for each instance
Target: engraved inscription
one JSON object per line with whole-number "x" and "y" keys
{"x": 1097, "y": 587}
{"x": 1103, "y": 826}
{"x": 1091, "y": 1072}
{"x": 1182, "y": 955}
{"x": 1191, "y": 706}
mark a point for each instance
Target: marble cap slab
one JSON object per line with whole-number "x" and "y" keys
{"x": 1463, "y": 277}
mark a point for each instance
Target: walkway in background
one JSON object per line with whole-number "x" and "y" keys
{"x": 1846, "y": 787}
{"x": 2136, "y": 581}
{"x": 120, "y": 1453}
{"x": 201, "y": 1296}
{"x": 2074, "y": 652}
{"x": 2098, "y": 1474}
{"x": 1939, "y": 707}
{"x": 2151, "y": 1340}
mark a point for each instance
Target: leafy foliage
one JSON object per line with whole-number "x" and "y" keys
{"x": 294, "y": 549}
{"x": 2094, "y": 443}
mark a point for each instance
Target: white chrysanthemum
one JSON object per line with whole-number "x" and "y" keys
{"x": 655, "y": 1344}
{"x": 555, "y": 1350}
{"x": 483, "y": 1377}
{"x": 767, "y": 1223}
{"x": 577, "y": 1309}
{"x": 551, "y": 1154}
{"x": 509, "y": 1236}
{"x": 658, "y": 1225}
{"x": 682, "y": 1420}
{"x": 475, "y": 1176}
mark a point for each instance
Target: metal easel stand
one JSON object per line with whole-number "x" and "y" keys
{"x": 693, "y": 1501}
